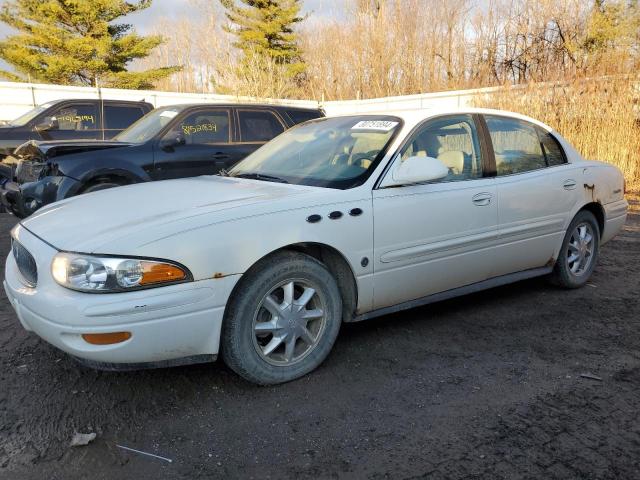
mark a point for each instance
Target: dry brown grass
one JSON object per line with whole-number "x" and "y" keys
{"x": 600, "y": 118}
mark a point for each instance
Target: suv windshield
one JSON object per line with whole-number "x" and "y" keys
{"x": 338, "y": 152}
{"x": 30, "y": 115}
{"x": 148, "y": 126}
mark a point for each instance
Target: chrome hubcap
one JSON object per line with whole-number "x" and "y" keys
{"x": 580, "y": 249}
{"x": 289, "y": 322}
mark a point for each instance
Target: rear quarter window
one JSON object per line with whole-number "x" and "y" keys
{"x": 299, "y": 116}
{"x": 551, "y": 147}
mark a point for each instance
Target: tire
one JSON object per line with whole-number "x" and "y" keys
{"x": 576, "y": 274}
{"x": 260, "y": 325}
{"x": 95, "y": 187}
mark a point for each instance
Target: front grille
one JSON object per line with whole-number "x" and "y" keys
{"x": 29, "y": 170}
{"x": 26, "y": 263}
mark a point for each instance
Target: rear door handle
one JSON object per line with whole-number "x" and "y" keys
{"x": 220, "y": 156}
{"x": 482, "y": 199}
{"x": 569, "y": 184}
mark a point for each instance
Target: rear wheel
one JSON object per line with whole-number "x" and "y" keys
{"x": 579, "y": 252}
{"x": 283, "y": 319}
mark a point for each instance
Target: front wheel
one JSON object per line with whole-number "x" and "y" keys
{"x": 579, "y": 252}
{"x": 102, "y": 185}
{"x": 282, "y": 319}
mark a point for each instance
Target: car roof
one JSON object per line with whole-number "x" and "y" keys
{"x": 412, "y": 117}
{"x": 105, "y": 100}
{"x": 242, "y": 105}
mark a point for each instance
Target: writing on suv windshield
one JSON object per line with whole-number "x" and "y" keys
{"x": 336, "y": 152}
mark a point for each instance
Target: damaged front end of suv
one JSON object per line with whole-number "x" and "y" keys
{"x": 31, "y": 177}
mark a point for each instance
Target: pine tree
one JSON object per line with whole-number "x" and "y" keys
{"x": 264, "y": 31}
{"x": 73, "y": 42}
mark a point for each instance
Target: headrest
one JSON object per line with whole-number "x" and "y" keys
{"x": 454, "y": 160}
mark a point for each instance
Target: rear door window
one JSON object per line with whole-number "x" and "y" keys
{"x": 258, "y": 125}
{"x": 119, "y": 117}
{"x": 516, "y": 145}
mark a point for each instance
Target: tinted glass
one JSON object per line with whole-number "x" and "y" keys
{"x": 299, "y": 116}
{"x": 337, "y": 152}
{"x": 452, "y": 140}
{"x": 76, "y": 117}
{"x": 120, "y": 117}
{"x": 551, "y": 147}
{"x": 516, "y": 145}
{"x": 202, "y": 127}
{"x": 258, "y": 126}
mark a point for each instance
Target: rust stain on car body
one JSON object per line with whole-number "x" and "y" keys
{"x": 222, "y": 275}
{"x": 592, "y": 188}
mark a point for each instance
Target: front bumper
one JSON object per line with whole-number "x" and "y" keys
{"x": 168, "y": 325}
{"x": 24, "y": 199}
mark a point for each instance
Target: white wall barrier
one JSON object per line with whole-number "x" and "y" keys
{"x": 18, "y": 98}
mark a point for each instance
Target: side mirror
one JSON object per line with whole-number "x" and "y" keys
{"x": 170, "y": 142}
{"x": 416, "y": 170}
{"x": 49, "y": 123}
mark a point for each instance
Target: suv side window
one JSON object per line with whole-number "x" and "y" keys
{"x": 76, "y": 117}
{"x": 258, "y": 125}
{"x": 516, "y": 145}
{"x": 454, "y": 141}
{"x": 119, "y": 117}
{"x": 299, "y": 116}
{"x": 551, "y": 147}
{"x": 202, "y": 127}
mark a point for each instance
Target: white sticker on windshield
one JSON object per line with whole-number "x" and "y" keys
{"x": 168, "y": 113}
{"x": 379, "y": 125}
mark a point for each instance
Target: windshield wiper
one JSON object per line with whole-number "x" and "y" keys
{"x": 261, "y": 176}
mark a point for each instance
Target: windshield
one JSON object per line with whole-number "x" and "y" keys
{"x": 336, "y": 152}
{"x": 148, "y": 126}
{"x": 30, "y": 115}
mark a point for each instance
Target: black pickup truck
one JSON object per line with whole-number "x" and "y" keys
{"x": 170, "y": 142}
{"x": 71, "y": 119}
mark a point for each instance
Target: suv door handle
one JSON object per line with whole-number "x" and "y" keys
{"x": 569, "y": 184}
{"x": 220, "y": 156}
{"x": 482, "y": 199}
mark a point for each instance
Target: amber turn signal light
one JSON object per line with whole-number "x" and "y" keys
{"x": 160, "y": 272}
{"x": 106, "y": 338}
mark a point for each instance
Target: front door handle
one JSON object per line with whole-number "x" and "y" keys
{"x": 569, "y": 184}
{"x": 482, "y": 199}
{"x": 220, "y": 156}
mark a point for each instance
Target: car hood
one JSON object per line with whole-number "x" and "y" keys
{"x": 94, "y": 222}
{"x": 39, "y": 150}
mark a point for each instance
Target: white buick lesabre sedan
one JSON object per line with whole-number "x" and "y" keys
{"x": 337, "y": 220}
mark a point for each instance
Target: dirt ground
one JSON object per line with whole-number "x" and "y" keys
{"x": 485, "y": 386}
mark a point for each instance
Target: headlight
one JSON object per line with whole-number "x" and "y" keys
{"x": 114, "y": 274}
